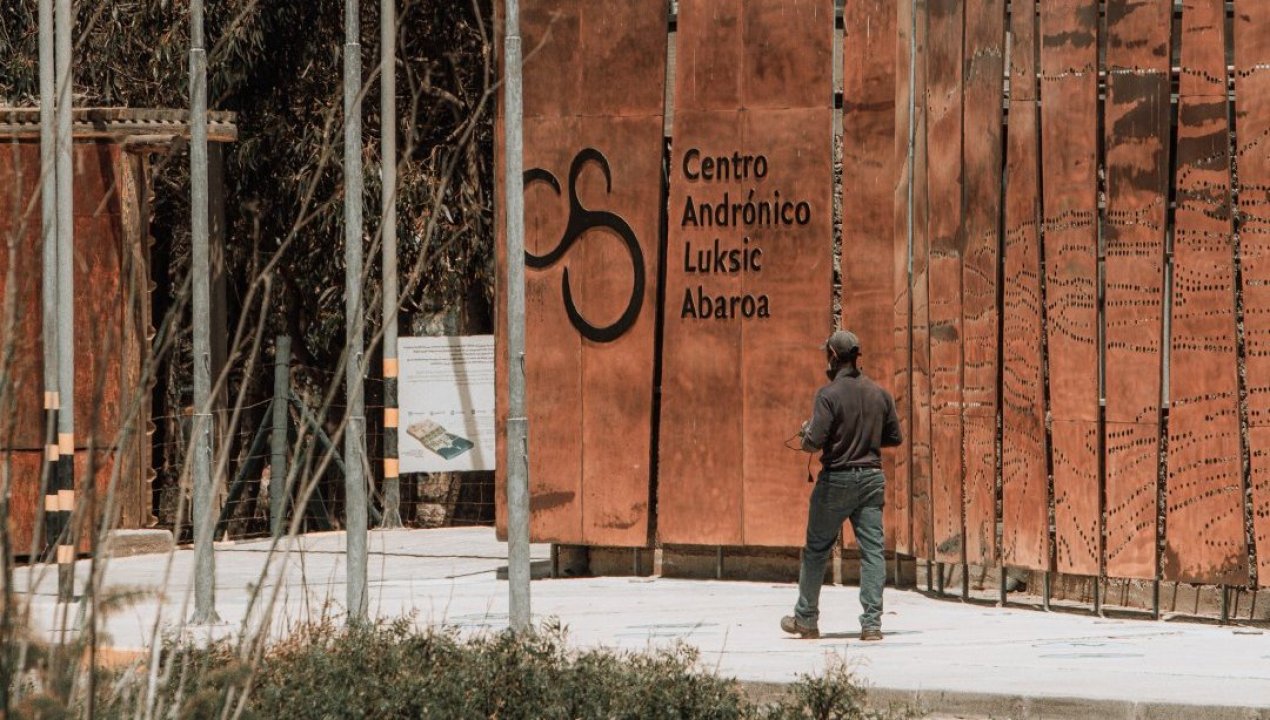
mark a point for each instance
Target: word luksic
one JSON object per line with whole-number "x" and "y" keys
{"x": 720, "y": 260}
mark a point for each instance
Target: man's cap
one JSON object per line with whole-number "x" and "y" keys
{"x": 843, "y": 343}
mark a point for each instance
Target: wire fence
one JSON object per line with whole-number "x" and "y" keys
{"x": 314, "y": 456}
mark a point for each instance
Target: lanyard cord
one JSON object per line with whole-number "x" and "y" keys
{"x": 810, "y": 456}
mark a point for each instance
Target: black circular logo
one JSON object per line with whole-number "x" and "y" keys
{"x": 582, "y": 221}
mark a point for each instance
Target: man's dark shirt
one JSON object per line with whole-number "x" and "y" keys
{"x": 851, "y": 421}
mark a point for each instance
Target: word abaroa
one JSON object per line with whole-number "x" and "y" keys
{"x": 703, "y": 306}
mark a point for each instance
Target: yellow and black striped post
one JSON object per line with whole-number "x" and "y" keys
{"x": 52, "y": 510}
{"x": 392, "y": 464}
{"x": 65, "y": 512}
{"x": 64, "y": 20}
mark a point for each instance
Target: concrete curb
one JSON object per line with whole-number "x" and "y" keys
{"x": 941, "y": 703}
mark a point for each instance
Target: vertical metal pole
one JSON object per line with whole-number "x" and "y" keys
{"x": 48, "y": 272}
{"x": 279, "y": 493}
{"x": 204, "y": 514}
{"x": 388, "y": 225}
{"x": 355, "y": 507}
{"x": 517, "y": 424}
{"x": 64, "y": 22}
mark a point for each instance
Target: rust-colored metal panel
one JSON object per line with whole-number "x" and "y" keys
{"x": 919, "y": 357}
{"x": 1069, "y": 142}
{"x": 868, "y": 189}
{"x": 899, "y": 486}
{"x": 734, "y": 332}
{"x": 788, "y": 47}
{"x": 1259, "y": 449}
{"x": 702, "y": 434}
{"x": 624, "y": 46}
{"x": 979, "y": 449}
{"x": 1069, "y": 161}
{"x": 944, "y": 179}
{"x": 786, "y": 348}
{"x": 551, "y": 36}
{"x": 594, "y": 96}
{"x": 722, "y": 427}
{"x": 98, "y": 347}
{"x": 100, "y": 466}
{"x": 1024, "y": 494}
{"x": 946, "y": 498}
{"x": 709, "y": 56}
{"x": 134, "y": 489}
{"x": 752, "y": 54}
{"x": 945, "y": 27}
{"x": 98, "y": 297}
{"x": 23, "y": 426}
{"x": 553, "y": 347}
{"x": 1252, "y": 84}
{"x": 1204, "y": 537}
{"x": 1133, "y": 468}
{"x": 982, "y": 149}
{"x": 617, "y": 376}
{"x": 1075, "y": 506}
{"x": 25, "y": 499}
{"x": 1137, "y": 161}
{"x": 106, "y": 366}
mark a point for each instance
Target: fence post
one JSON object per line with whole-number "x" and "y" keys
{"x": 48, "y": 239}
{"x": 518, "y": 573}
{"x": 63, "y": 25}
{"x": 388, "y": 226}
{"x": 278, "y": 491}
{"x": 355, "y": 428}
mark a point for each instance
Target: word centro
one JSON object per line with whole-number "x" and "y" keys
{"x": 701, "y": 305}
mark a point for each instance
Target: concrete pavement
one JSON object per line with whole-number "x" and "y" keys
{"x": 955, "y": 658}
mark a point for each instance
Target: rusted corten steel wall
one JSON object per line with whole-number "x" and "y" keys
{"x": 1132, "y": 247}
{"x": 869, "y": 167}
{"x": 919, "y": 278}
{"x": 900, "y": 482}
{"x": 981, "y": 156}
{"x": 593, "y": 107}
{"x": 1054, "y": 230}
{"x": 1069, "y": 199}
{"x": 112, "y": 291}
{"x": 1205, "y": 539}
{"x": 945, "y": 22}
{"x": 753, "y": 97}
{"x": 1252, "y": 90}
{"x": 1137, "y": 140}
{"x": 1024, "y": 450}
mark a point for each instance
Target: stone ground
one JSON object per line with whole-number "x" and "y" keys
{"x": 957, "y": 659}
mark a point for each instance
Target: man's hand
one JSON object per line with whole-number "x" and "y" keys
{"x": 802, "y": 432}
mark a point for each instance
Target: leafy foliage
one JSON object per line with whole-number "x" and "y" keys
{"x": 278, "y": 64}
{"x": 393, "y": 670}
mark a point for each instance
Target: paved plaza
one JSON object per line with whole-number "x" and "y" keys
{"x": 961, "y": 659}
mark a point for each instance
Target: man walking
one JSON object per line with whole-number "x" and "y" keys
{"x": 852, "y": 420}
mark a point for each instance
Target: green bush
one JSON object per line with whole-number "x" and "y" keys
{"x": 394, "y": 670}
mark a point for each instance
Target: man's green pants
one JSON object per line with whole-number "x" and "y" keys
{"x": 858, "y": 496}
